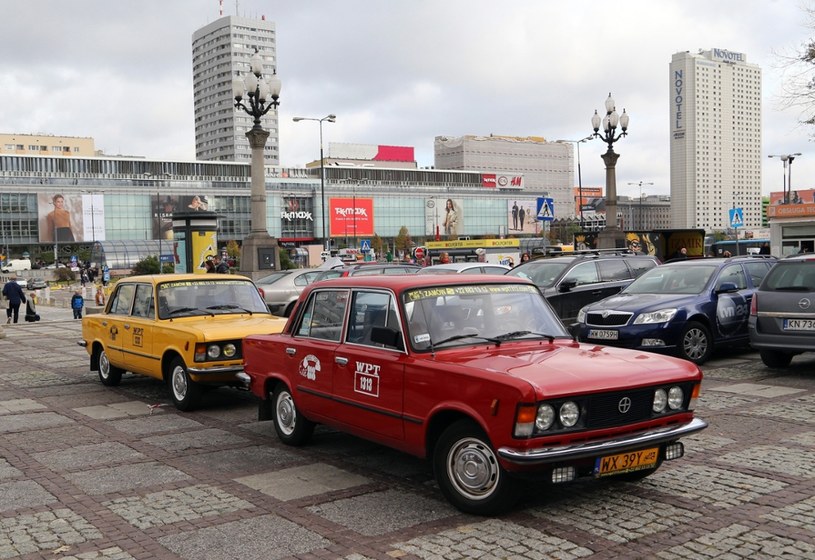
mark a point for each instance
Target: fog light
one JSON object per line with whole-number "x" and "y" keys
{"x": 674, "y": 451}
{"x": 563, "y": 474}
{"x": 652, "y": 342}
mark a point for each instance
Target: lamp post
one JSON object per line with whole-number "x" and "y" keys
{"x": 611, "y": 237}
{"x": 579, "y": 177}
{"x": 263, "y": 94}
{"x": 329, "y": 118}
{"x": 786, "y": 159}
{"x": 642, "y": 221}
{"x": 735, "y": 194}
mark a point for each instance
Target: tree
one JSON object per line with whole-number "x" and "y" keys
{"x": 376, "y": 244}
{"x": 403, "y": 242}
{"x": 285, "y": 261}
{"x": 148, "y": 265}
{"x": 799, "y": 83}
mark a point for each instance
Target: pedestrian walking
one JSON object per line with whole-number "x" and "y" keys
{"x": 14, "y": 295}
{"x": 220, "y": 266}
{"x": 77, "y": 303}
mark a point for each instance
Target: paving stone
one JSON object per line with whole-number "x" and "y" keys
{"x": 37, "y": 379}
{"x": 616, "y": 515}
{"x": 772, "y": 458}
{"x": 800, "y": 514}
{"x": 378, "y": 513}
{"x": 711, "y": 485}
{"x": 88, "y": 456}
{"x": 491, "y": 539}
{"x": 807, "y": 439}
{"x": 10, "y": 423}
{"x": 23, "y": 494}
{"x": 7, "y": 471}
{"x": 112, "y": 553}
{"x": 50, "y": 530}
{"x": 299, "y": 482}
{"x": 171, "y": 506}
{"x": 713, "y": 400}
{"x": 20, "y": 405}
{"x": 739, "y": 541}
{"x": 125, "y": 477}
{"x": 268, "y": 537}
{"x": 758, "y": 390}
{"x": 117, "y": 410}
{"x": 55, "y": 438}
{"x": 155, "y": 424}
{"x": 797, "y": 411}
{"x": 199, "y": 439}
{"x": 252, "y": 459}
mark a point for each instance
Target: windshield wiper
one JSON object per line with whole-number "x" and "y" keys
{"x": 495, "y": 341}
{"x": 188, "y": 309}
{"x": 229, "y": 306}
{"x": 518, "y": 334}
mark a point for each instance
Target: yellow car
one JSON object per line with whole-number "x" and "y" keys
{"x": 185, "y": 329}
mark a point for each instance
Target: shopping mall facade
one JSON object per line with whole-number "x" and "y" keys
{"x": 63, "y": 204}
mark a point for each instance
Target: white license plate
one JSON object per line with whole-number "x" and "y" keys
{"x": 604, "y": 334}
{"x": 799, "y": 324}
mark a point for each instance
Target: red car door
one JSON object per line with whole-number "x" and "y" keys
{"x": 369, "y": 376}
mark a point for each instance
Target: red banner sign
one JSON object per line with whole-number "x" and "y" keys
{"x": 351, "y": 217}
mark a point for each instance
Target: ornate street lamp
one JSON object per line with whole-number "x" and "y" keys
{"x": 329, "y": 118}
{"x": 611, "y": 237}
{"x": 257, "y": 95}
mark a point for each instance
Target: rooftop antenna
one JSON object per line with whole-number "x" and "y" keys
{"x": 221, "y": 8}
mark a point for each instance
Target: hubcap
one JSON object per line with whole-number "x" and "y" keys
{"x": 473, "y": 469}
{"x": 179, "y": 382}
{"x": 104, "y": 365}
{"x": 695, "y": 344}
{"x": 286, "y": 413}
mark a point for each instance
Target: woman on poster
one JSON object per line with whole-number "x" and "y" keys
{"x": 59, "y": 221}
{"x": 450, "y": 218}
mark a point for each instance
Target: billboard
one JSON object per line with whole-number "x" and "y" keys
{"x": 70, "y": 219}
{"x": 163, "y": 208}
{"x": 801, "y": 203}
{"x": 521, "y": 216}
{"x": 351, "y": 217}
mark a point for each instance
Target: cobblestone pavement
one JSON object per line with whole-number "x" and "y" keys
{"x": 89, "y": 472}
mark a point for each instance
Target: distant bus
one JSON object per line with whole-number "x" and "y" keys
{"x": 742, "y": 247}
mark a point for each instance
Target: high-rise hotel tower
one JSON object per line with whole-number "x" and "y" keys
{"x": 715, "y": 124}
{"x": 221, "y": 51}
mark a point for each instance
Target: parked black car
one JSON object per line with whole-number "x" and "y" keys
{"x": 683, "y": 307}
{"x": 782, "y": 313}
{"x": 573, "y": 281}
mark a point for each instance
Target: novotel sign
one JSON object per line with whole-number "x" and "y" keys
{"x": 678, "y": 100}
{"x": 727, "y": 56}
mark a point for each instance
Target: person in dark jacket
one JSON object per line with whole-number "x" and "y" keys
{"x": 77, "y": 303}
{"x": 15, "y": 296}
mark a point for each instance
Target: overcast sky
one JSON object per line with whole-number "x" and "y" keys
{"x": 399, "y": 73}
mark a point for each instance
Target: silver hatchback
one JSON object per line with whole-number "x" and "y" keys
{"x": 782, "y": 313}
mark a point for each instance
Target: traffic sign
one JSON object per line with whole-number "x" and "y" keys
{"x": 546, "y": 209}
{"x": 365, "y": 245}
{"x": 736, "y": 217}
{"x": 418, "y": 252}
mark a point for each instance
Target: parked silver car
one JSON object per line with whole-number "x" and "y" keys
{"x": 782, "y": 312}
{"x": 281, "y": 289}
{"x": 465, "y": 268}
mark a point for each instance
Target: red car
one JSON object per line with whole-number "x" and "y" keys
{"x": 479, "y": 375}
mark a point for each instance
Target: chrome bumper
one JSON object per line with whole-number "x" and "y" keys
{"x": 584, "y": 450}
{"x": 82, "y": 343}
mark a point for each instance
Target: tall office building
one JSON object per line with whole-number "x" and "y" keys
{"x": 715, "y": 123}
{"x": 547, "y": 167}
{"x": 221, "y": 51}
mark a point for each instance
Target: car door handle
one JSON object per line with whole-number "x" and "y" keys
{"x": 341, "y": 361}
{"x": 291, "y": 351}
{"x": 126, "y": 326}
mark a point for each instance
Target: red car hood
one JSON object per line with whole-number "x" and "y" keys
{"x": 566, "y": 369}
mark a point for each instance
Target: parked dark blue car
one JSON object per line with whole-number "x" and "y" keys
{"x": 684, "y": 308}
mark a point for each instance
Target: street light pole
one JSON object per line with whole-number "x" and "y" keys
{"x": 263, "y": 94}
{"x": 330, "y": 118}
{"x": 611, "y": 237}
{"x": 787, "y": 184}
{"x": 579, "y": 177}
{"x": 642, "y": 221}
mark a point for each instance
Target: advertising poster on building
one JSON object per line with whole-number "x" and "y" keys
{"x": 163, "y": 208}
{"x": 60, "y": 218}
{"x": 297, "y": 218}
{"x": 351, "y": 217}
{"x": 521, "y": 217}
{"x": 204, "y": 247}
{"x": 452, "y": 218}
{"x": 797, "y": 203}
{"x": 93, "y": 217}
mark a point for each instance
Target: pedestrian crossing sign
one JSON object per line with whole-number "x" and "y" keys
{"x": 365, "y": 245}
{"x": 736, "y": 217}
{"x": 546, "y": 209}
